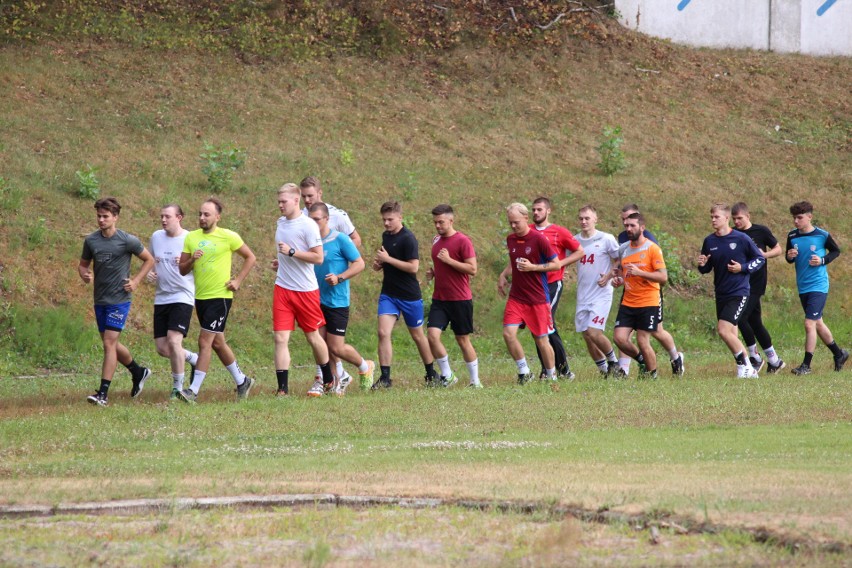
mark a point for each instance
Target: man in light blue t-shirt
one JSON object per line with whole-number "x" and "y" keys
{"x": 341, "y": 261}
{"x": 811, "y": 249}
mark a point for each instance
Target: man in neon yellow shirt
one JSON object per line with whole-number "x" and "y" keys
{"x": 207, "y": 253}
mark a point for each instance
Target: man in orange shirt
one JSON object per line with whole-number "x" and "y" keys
{"x": 642, "y": 271}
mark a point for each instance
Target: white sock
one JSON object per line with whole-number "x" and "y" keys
{"x": 673, "y": 354}
{"x": 234, "y": 369}
{"x": 624, "y": 363}
{"x": 444, "y": 366}
{"x": 771, "y": 355}
{"x": 550, "y": 373}
{"x": 602, "y": 365}
{"x": 523, "y": 368}
{"x": 339, "y": 368}
{"x": 177, "y": 381}
{"x": 611, "y": 358}
{"x": 197, "y": 380}
{"x": 473, "y": 371}
{"x": 752, "y": 351}
{"x": 363, "y": 367}
{"x": 190, "y": 357}
{"x": 319, "y": 371}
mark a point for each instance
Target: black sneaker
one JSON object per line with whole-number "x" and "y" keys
{"x": 646, "y": 374}
{"x": 615, "y": 371}
{"x": 643, "y": 368}
{"x": 382, "y": 383}
{"x": 191, "y": 373}
{"x": 524, "y": 378}
{"x": 97, "y": 399}
{"x": 757, "y": 363}
{"x": 771, "y": 369}
{"x": 139, "y": 381}
{"x": 431, "y": 381}
{"x": 566, "y": 375}
{"x": 243, "y": 389}
{"x": 187, "y": 396}
{"x": 840, "y": 361}
{"x": 677, "y": 365}
{"x": 802, "y": 370}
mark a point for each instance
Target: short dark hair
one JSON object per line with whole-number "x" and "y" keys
{"x": 739, "y": 207}
{"x": 310, "y": 181}
{"x": 638, "y": 216}
{"x": 443, "y": 209}
{"x": 630, "y": 207}
{"x": 390, "y": 207}
{"x": 109, "y": 204}
{"x": 801, "y": 207}
{"x": 319, "y": 206}
{"x": 543, "y": 199}
{"x": 174, "y": 206}
{"x": 215, "y": 201}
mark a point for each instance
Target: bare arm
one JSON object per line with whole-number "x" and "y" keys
{"x": 382, "y": 257}
{"x": 467, "y": 266}
{"x": 147, "y": 264}
{"x": 773, "y": 252}
{"x": 84, "y": 272}
{"x": 355, "y": 268}
{"x": 573, "y": 257}
{"x": 503, "y": 280}
{"x": 356, "y": 238}
{"x": 249, "y": 261}
{"x": 312, "y": 256}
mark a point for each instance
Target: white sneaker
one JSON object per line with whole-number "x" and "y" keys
{"x": 342, "y": 383}
{"x": 746, "y": 372}
{"x": 317, "y": 389}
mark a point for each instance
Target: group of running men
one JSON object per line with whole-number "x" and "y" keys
{"x": 318, "y": 254}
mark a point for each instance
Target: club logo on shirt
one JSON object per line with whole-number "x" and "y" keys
{"x": 527, "y": 250}
{"x": 733, "y": 246}
{"x": 813, "y": 248}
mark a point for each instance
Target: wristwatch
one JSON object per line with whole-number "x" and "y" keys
{"x": 291, "y": 252}
{"x": 340, "y": 279}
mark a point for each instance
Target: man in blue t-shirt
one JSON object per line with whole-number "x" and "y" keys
{"x": 341, "y": 262}
{"x": 732, "y": 256}
{"x": 811, "y": 249}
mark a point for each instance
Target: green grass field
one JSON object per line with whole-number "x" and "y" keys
{"x": 478, "y": 128}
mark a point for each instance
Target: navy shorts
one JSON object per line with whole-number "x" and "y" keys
{"x": 813, "y": 303}
{"x": 112, "y": 317}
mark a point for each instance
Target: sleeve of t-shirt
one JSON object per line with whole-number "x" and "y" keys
{"x": 409, "y": 249}
{"x": 235, "y": 241}
{"x": 347, "y": 248}
{"x": 466, "y": 249}
{"x": 545, "y": 250}
{"x": 134, "y": 245}
{"x": 87, "y": 251}
{"x": 613, "y": 247}
{"x": 770, "y": 239}
{"x": 344, "y": 223}
{"x": 657, "y": 261}
{"x": 567, "y": 241}
{"x": 312, "y": 235}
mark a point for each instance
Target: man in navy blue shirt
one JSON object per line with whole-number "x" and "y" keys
{"x": 732, "y": 256}
{"x": 811, "y": 249}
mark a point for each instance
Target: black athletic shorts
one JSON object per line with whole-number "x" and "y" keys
{"x": 171, "y": 317}
{"x": 642, "y": 319}
{"x": 213, "y": 314}
{"x": 336, "y": 320}
{"x": 731, "y": 308}
{"x": 457, "y": 313}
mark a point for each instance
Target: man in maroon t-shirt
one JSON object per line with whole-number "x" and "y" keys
{"x": 453, "y": 263}
{"x": 530, "y": 257}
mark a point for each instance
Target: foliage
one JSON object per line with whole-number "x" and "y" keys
{"x": 679, "y": 275}
{"x": 11, "y": 197}
{"x": 220, "y": 163}
{"x": 51, "y": 337}
{"x": 88, "y": 185}
{"x": 306, "y": 28}
{"x": 612, "y": 156}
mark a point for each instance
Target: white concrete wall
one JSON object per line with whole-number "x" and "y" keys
{"x": 818, "y": 27}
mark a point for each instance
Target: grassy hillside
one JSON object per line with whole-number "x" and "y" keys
{"x": 478, "y": 128}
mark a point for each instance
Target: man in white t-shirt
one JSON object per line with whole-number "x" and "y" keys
{"x": 594, "y": 292}
{"x": 338, "y": 219}
{"x": 174, "y": 299}
{"x": 297, "y": 297}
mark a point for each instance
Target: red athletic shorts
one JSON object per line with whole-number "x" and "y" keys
{"x": 536, "y": 317}
{"x": 289, "y": 307}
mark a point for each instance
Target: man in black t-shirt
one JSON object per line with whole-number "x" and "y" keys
{"x": 751, "y": 324}
{"x": 399, "y": 260}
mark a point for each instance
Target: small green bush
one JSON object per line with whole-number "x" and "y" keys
{"x": 220, "y": 163}
{"x": 88, "y": 185}
{"x": 612, "y": 156}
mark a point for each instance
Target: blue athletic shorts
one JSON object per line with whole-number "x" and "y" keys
{"x": 112, "y": 317}
{"x": 813, "y": 303}
{"x": 411, "y": 310}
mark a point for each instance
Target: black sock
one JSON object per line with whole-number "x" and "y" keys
{"x": 640, "y": 359}
{"x": 282, "y": 375}
{"x": 835, "y": 349}
{"x": 740, "y": 358}
{"x": 385, "y": 372}
{"x": 104, "y": 387}
{"x": 430, "y": 370}
{"x": 808, "y": 358}
{"x": 327, "y": 377}
{"x": 133, "y": 367}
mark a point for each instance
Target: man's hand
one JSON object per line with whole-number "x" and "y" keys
{"x": 735, "y": 267}
{"x": 703, "y": 259}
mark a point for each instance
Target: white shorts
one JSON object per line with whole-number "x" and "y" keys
{"x": 592, "y": 316}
